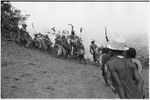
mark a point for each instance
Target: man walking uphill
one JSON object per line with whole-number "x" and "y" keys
{"x": 124, "y": 75}
{"x": 93, "y": 46}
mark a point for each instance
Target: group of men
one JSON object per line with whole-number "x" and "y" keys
{"x": 70, "y": 46}
{"x": 42, "y": 42}
{"x": 120, "y": 69}
{"x": 67, "y": 46}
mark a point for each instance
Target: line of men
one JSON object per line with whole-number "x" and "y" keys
{"x": 42, "y": 42}
{"x": 69, "y": 46}
{"x": 64, "y": 46}
{"x": 120, "y": 69}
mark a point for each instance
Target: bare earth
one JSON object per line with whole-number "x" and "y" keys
{"x": 27, "y": 73}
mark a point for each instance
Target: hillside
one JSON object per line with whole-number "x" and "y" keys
{"x": 30, "y": 73}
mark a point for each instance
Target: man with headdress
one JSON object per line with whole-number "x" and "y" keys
{"x": 123, "y": 73}
{"x": 48, "y": 42}
{"x": 58, "y": 39}
{"x": 81, "y": 51}
{"x": 38, "y": 40}
{"x": 66, "y": 46}
{"x": 73, "y": 36}
{"x": 73, "y": 42}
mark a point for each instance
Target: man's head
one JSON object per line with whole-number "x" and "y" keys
{"x": 92, "y": 42}
{"x": 105, "y": 50}
{"x": 57, "y": 35}
{"x": 131, "y": 53}
{"x": 35, "y": 35}
{"x": 46, "y": 36}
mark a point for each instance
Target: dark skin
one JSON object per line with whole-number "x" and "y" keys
{"x": 105, "y": 59}
{"x": 118, "y": 75}
{"x": 91, "y": 48}
{"x": 115, "y": 76}
{"x": 135, "y": 71}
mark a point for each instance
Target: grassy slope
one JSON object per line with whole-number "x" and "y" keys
{"x": 27, "y": 73}
{"x": 30, "y": 73}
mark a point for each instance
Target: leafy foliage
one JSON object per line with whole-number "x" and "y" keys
{"x": 10, "y": 19}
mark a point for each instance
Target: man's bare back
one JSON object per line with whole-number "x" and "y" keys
{"x": 122, "y": 74}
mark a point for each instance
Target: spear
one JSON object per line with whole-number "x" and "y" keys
{"x": 71, "y": 25}
{"x": 72, "y": 28}
{"x": 106, "y": 35}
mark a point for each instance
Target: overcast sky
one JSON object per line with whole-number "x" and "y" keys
{"x": 128, "y": 19}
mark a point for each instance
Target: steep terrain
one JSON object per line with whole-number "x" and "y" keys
{"x": 27, "y": 73}
{"x": 30, "y": 73}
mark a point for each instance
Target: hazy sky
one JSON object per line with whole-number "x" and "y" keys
{"x": 128, "y": 19}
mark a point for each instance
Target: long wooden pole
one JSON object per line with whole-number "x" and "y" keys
{"x": 33, "y": 28}
{"x": 106, "y": 34}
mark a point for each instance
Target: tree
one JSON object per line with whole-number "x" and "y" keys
{"x": 10, "y": 19}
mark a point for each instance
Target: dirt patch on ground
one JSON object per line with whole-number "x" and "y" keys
{"x": 27, "y": 73}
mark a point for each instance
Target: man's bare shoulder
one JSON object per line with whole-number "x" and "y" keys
{"x": 115, "y": 63}
{"x": 112, "y": 61}
{"x": 111, "y": 64}
{"x": 118, "y": 62}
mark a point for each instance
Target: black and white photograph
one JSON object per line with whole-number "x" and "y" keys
{"x": 74, "y": 50}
